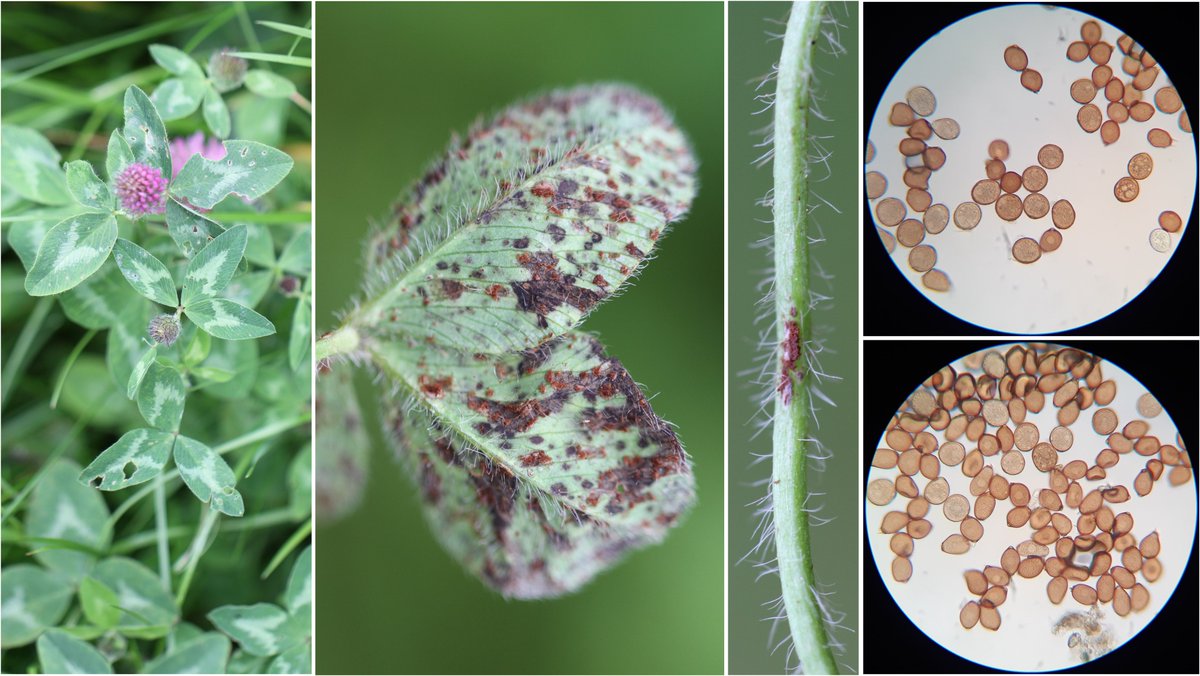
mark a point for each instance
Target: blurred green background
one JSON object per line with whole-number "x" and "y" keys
{"x": 394, "y": 81}
{"x": 835, "y": 546}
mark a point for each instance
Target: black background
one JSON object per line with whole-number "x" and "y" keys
{"x": 1167, "y": 369}
{"x": 1169, "y": 306}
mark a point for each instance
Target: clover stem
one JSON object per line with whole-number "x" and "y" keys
{"x": 164, "y": 552}
{"x": 208, "y": 518}
{"x": 341, "y": 341}
{"x": 792, "y": 402}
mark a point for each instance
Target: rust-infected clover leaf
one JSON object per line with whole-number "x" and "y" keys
{"x": 539, "y": 461}
{"x": 530, "y": 221}
{"x": 536, "y": 470}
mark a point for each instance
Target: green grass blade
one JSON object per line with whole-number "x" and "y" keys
{"x": 288, "y": 547}
{"x": 275, "y": 58}
{"x": 110, "y": 43}
{"x": 287, "y": 28}
{"x": 66, "y": 369}
{"x": 209, "y": 28}
{"x": 14, "y": 366}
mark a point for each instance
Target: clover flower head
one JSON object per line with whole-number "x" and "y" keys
{"x": 164, "y": 329}
{"x": 142, "y": 190}
{"x": 226, "y": 70}
{"x": 182, "y": 149}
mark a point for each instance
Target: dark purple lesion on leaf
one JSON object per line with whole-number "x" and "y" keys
{"x": 628, "y": 482}
{"x": 625, "y": 485}
{"x": 548, "y": 288}
{"x": 431, "y": 483}
{"x": 533, "y": 358}
{"x": 452, "y": 289}
{"x": 445, "y": 450}
{"x": 507, "y": 419}
{"x": 668, "y": 212}
{"x": 557, "y": 538}
{"x": 617, "y": 404}
{"x": 496, "y": 490}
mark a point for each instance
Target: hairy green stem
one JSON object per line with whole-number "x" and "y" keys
{"x": 342, "y": 341}
{"x": 791, "y": 423}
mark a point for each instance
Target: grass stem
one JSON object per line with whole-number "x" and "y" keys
{"x": 66, "y": 368}
{"x": 15, "y": 364}
{"x": 292, "y": 542}
{"x": 109, "y": 43}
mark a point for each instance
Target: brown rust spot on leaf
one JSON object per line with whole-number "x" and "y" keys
{"x": 452, "y": 289}
{"x": 434, "y": 387}
{"x": 509, "y": 418}
{"x": 535, "y": 459}
{"x": 548, "y": 288}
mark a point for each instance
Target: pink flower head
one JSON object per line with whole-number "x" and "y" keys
{"x": 182, "y": 150}
{"x": 142, "y": 190}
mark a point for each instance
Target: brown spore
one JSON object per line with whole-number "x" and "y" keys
{"x": 1159, "y": 138}
{"x": 1126, "y": 189}
{"x": 1140, "y": 166}
{"x": 1031, "y": 80}
{"x": 1089, "y": 118}
{"x": 1015, "y": 58}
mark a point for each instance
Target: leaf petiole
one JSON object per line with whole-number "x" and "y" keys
{"x": 791, "y": 429}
